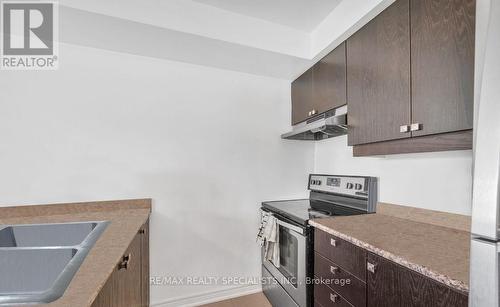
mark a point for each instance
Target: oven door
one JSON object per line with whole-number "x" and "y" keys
{"x": 291, "y": 274}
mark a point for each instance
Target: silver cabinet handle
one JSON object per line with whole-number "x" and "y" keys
{"x": 334, "y": 297}
{"x": 333, "y": 242}
{"x": 370, "y": 267}
{"x": 312, "y": 112}
{"x": 334, "y": 269}
{"x": 416, "y": 127}
{"x": 404, "y": 129}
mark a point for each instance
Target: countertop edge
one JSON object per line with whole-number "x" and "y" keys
{"x": 446, "y": 280}
{"x": 19, "y": 211}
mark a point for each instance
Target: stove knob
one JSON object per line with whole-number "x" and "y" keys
{"x": 318, "y": 182}
{"x": 350, "y": 185}
{"x": 358, "y": 186}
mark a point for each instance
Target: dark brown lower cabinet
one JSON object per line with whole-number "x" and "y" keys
{"x": 391, "y": 284}
{"x": 128, "y": 285}
{"x": 340, "y": 282}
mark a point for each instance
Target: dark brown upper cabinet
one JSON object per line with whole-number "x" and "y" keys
{"x": 302, "y": 97}
{"x": 410, "y": 78}
{"x": 378, "y": 77}
{"x": 321, "y": 88}
{"x": 329, "y": 81}
{"x": 442, "y": 63}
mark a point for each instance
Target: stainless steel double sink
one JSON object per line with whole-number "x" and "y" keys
{"x": 38, "y": 261}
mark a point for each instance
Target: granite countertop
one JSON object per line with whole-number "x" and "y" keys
{"x": 435, "y": 244}
{"x": 126, "y": 217}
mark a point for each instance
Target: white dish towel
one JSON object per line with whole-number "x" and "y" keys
{"x": 268, "y": 237}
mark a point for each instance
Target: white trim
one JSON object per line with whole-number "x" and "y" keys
{"x": 209, "y": 297}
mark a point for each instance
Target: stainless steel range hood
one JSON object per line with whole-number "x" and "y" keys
{"x": 329, "y": 124}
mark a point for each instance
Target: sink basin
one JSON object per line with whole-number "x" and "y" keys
{"x": 38, "y": 261}
{"x": 32, "y": 270}
{"x": 64, "y": 234}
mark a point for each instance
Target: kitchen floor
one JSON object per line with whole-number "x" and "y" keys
{"x": 252, "y": 300}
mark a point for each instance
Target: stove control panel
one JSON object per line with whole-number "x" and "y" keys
{"x": 346, "y": 185}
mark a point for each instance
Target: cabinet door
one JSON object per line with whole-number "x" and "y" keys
{"x": 329, "y": 81}
{"x": 302, "y": 97}
{"x": 129, "y": 281}
{"x": 124, "y": 286}
{"x": 378, "y": 77}
{"x": 107, "y": 296}
{"x": 442, "y": 52}
{"x": 393, "y": 285}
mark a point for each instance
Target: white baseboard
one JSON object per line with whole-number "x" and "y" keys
{"x": 208, "y": 297}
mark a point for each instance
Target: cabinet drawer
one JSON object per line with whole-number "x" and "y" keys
{"x": 341, "y": 281}
{"x": 341, "y": 252}
{"x": 326, "y": 297}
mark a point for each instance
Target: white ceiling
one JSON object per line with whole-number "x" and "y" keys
{"x": 276, "y": 38}
{"x": 207, "y": 21}
{"x": 303, "y": 15}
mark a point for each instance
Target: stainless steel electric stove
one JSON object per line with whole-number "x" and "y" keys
{"x": 330, "y": 196}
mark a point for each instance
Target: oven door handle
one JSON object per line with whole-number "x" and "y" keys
{"x": 291, "y": 227}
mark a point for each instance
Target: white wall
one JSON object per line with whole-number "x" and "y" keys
{"x": 438, "y": 181}
{"x": 203, "y": 143}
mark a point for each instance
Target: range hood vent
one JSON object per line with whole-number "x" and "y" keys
{"x": 329, "y": 124}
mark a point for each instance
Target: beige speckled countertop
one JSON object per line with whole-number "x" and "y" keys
{"x": 126, "y": 218}
{"x": 435, "y": 244}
